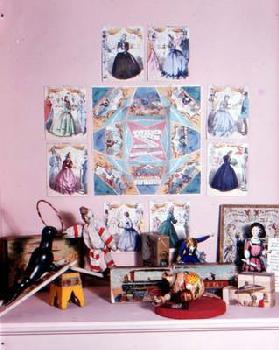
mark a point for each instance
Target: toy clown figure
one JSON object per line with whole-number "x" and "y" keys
{"x": 96, "y": 238}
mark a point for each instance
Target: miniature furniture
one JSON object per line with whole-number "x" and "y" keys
{"x": 67, "y": 287}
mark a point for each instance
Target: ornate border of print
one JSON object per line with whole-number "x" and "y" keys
{"x": 235, "y": 219}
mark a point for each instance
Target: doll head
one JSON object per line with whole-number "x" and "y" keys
{"x": 86, "y": 214}
{"x": 192, "y": 244}
{"x": 256, "y": 230}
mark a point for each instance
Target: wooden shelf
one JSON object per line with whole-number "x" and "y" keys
{"x": 99, "y": 318}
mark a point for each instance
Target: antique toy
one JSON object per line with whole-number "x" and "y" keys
{"x": 254, "y": 289}
{"x": 98, "y": 241}
{"x": 136, "y": 284}
{"x": 65, "y": 288}
{"x": 183, "y": 287}
{"x": 41, "y": 261}
{"x": 155, "y": 249}
{"x": 254, "y": 250}
{"x": 187, "y": 251}
{"x": 185, "y": 298}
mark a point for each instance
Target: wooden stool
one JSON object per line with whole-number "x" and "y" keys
{"x": 65, "y": 288}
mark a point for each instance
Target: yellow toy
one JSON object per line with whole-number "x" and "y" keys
{"x": 67, "y": 287}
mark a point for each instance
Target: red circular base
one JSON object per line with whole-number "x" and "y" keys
{"x": 205, "y": 307}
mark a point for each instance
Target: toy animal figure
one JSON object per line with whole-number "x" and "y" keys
{"x": 187, "y": 251}
{"x": 40, "y": 262}
{"x": 183, "y": 287}
{"x": 97, "y": 239}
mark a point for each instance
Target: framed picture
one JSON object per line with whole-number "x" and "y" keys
{"x": 236, "y": 225}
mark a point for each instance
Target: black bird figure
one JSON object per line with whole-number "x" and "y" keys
{"x": 40, "y": 262}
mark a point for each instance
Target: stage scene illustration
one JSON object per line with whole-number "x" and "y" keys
{"x": 228, "y": 112}
{"x": 122, "y": 53}
{"x": 124, "y": 222}
{"x": 227, "y": 169}
{"x": 67, "y": 169}
{"x": 168, "y": 53}
{"x": 65, "y": 114}
{"x": 146, "y": 140}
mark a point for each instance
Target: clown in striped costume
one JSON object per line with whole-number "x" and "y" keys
{"x": 96, "y": 238}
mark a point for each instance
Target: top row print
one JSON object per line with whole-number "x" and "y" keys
{"x": 123, "y": 53}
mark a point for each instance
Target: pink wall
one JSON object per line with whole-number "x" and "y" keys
{"x": 54, "y": 43}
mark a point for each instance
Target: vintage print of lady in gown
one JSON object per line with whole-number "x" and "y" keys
{"x": 170, "y": 219}
{"x": 228, "y": 112}
{"x": 65, "y": 114}
{"x": 168, "y": 53}
{"x": 122, "y": 53}
{"x": 67, "y": 170}
{"x": 227, "y": 169}
{"x": 125, "y": 223}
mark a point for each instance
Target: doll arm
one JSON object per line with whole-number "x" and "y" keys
{"x": 203, "y": 238}
{"x": 246, "y": 250}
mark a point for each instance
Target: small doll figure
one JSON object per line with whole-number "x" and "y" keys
{"x": 183, "y": 287}
{"x": 167, "y": 227}
{"x": 254, "y": 249}
{"x": 187, "y": 251}
{"x": 98, "y": 241}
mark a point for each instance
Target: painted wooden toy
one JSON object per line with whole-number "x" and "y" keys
{"x": 183, "y": 287}
{"x": 67, "y": 287}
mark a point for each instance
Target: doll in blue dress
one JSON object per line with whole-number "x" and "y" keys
{"x": 187, "y": 251}
{"x": 175, "y": 65}
{"x": 225, "y": 178}
{"x": 129, "y": 240}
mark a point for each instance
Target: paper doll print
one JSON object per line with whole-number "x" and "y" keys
{"x": 65, "y": 114}
{"x": 146, "y": 140}
{"x": 228, "y": 112}
{"x": 168, "y": 53}
{"x": 67, "y": 170}
{"x": 122, "y": 53}
{"x": 171, "y": 219}
{"x": 125, "y": 223}
{"x": 227, "y": 169}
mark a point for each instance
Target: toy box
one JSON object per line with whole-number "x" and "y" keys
{"x": 263, "y": 279}
{"x": 254, "y": 289}
{"x": 134, "y": 284}
{"x": 155, "y": 249}
{"x": 15, "y": 253}
{"x": 232, "y": 296}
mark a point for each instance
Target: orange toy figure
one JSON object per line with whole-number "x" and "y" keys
{"x": 67, "y": 287}
{"x": 183, "y": 287}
